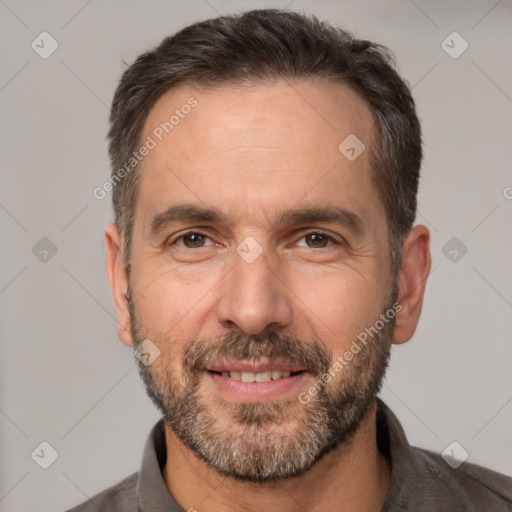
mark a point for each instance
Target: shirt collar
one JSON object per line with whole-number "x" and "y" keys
{"x": 152, "y": 492}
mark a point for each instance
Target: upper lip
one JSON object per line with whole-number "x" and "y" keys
{"x": 255, "y": 367}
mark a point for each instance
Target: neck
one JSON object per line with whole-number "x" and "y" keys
{"x": 353, "y": 476}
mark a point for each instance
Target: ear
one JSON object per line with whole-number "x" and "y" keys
{"x": 118, "y": 281}
{"x": 414, "y": 270}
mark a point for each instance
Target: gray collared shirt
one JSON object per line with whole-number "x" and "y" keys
{"x": 421, "y": 481}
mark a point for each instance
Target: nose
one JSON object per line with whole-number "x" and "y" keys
{"x": 254, "y": 298}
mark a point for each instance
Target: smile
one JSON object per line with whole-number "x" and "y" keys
{"x": 243, "y": 380}
{"x": 256, "y": 377}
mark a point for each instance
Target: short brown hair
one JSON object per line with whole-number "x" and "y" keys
{"x": 266, "y": 44}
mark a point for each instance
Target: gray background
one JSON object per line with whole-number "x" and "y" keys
{"x": 67, "y": 380}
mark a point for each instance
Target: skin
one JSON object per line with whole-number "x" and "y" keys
{"x": 253, "y": 152}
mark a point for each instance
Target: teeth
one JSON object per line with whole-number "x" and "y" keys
{"x": 263, "y": 376}
{"x": 256, "y": 377}
{"x": 247, "y": 377}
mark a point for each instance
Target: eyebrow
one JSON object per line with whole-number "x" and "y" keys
{"x": 305, "y": 215}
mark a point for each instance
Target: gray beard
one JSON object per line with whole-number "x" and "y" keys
{"x": 261, "y": 443}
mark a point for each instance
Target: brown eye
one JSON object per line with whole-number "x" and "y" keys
{"x": 193, "y": 240}
{"x": 317, "y": 240}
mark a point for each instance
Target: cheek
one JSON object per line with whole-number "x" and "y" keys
{"x": 338, "y": 308}
{"x": 170, "y": 303}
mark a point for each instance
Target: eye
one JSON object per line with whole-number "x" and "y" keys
{"x": 316, "y": 240}
{"x": 192, "y": 240}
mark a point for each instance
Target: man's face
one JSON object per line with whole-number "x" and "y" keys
{"x": 260, "y": 253}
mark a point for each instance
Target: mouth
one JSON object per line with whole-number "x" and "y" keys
{"x": 262, "y": 376}
{"x": 245, "y": 381}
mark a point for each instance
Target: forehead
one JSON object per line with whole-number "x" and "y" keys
{"x": 268, "y": 143}
{"x": 304, "y": 111}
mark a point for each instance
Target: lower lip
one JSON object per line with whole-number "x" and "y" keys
{"x": 256, "y": 390}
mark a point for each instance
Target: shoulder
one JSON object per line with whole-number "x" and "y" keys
{"x": 424, "y": 481}
{"x": 469, "y": 485}
{"x": 119, "y": 497}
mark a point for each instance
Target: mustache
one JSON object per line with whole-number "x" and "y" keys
{"x": 313, "y": 355}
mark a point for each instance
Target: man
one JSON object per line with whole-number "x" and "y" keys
{"x": 263, "y": 260}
